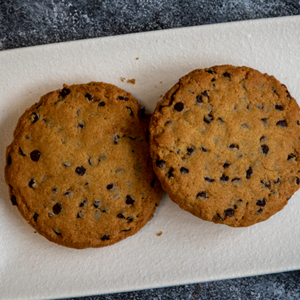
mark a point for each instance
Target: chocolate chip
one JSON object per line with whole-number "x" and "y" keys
{"x": 89, "y": 96}
{"x": 97, "y": 203}
{"x": 297, "y": 180}
{"x": 292, "y": 155}
{"x": 179, "y": 106}
{"x": 209, "y": 179}
{"x": 265, "y": 149}
{"x": 110, "y": 186}
{"x": 129, "y": 200}
{"x": 288, "y": 95}
{"x": 54, "y": 190}
{"x": 116, "y": 137}
{"x": 277, "y": 181}
{"x": 226, "y": 74}
{"x": 261, "y": 203}
{"x": 249, "y": 173}
{"x": 80, "y": 125}
{"x": 260, "y": 211}
{"x": 101, "y": 104}
{"x": 298, "y": 122}
{"x": 282, "y": 123}
{"x": 90, "y": 162}
{"x": 142, "y": 114}
{"x": 262, "y": 138}
{"x": 265, "y": 120}
{"x": 190, "y": 151}
{"x": 80, "y": 170}
{"x": 161, "y": 107}
{"x": 203, "y": 149}
{"x": 13, "y": 200}
{"x": 123, "y": 98}
{"x": 120, "y": 216}
{"x": 80, "y": 214}
{"x": 57, "y": 208}
{"x": 160, "y": 163}
{"x": 199, "y": 99}
{"x": 224, "y": 178}
{"x": 220, "y": 217}
{"x": 124, "y": 230}
{"x": 184, "y": 170}
{"x": 67, "y": 164}
{"x": 9, "y": 160}
{"x": 50, "y": 215}
{"x": 170, "y": 173}
{"x": 130, "y": 110}
{"x": 226, "y": 165}
{"x": 34, "y": 117}
{"x": 221, "y": 120}
{"x": 229, "y": 212}
{"x": 260, "y": 106}
{"x": 130, "y": 219}
{"x": 105, "y": 237}
{"x": 32, "y": 183}
{"x": 244, "y": 125}
{"x": 35, "y": 155}
{"x": 211, "y": 72}
{"x": 65, "y": 92}
{"x": 235, "y": 179}
{"x": 232, "y": 146}
{"x": 21, "y": 152}
{"x": 35, "y": 217}
{"x": 152, "y": 184}
{"x": 83, "y": 203}
{"x": 278, "y": 107}
{"x": 207, "y": 119}
{"x": 287, "y": 199}
{"x": 202, "y": 195}
{"x": 205, "y": 94}
{"x": 266, "y": 184}
{"x": 67, "y": 193}
{"x": 57, "y": 231}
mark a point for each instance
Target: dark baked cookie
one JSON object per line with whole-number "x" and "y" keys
{"x": 79, "y": 168}
{"x": 225, "y": 144}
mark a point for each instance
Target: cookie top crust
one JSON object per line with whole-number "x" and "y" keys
{"x": 79, "y": 168}
{"x": 225, "y": 144}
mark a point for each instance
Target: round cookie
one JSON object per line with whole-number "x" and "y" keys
{"x": 79, "y": 168}
{"x": 225, "y": 144}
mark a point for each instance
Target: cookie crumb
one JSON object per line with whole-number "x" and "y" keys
{"x": 161, "y": 82}
{"x": 137, "y": 58}
{"x": 161, "y": 96}
{"x": 204, "y": 248}
{"x": 34, "y": 231}
{"x": 132, "y": 81}
{"x": 159, "y": 234}
{"x": 122, "y": 79}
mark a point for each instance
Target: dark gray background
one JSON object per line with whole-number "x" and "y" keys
{"x": 29, "y": 23}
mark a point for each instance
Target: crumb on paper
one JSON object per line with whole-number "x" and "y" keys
{"x": 161, "y": 96}
{"x": 205, "y": 248}
{"x": 137, "y": 58}
{"x": 155, "y": 86}
{"x": 34, "y": 231}
{"x": 132, "y": 81}
{"x": 122, "y": 79}
{"x": 159, "y": 234}
{"x": 161, "y": 82}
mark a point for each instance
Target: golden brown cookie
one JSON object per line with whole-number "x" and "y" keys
{"x": 225, "y": 144}
{"x": 79, "y": 168}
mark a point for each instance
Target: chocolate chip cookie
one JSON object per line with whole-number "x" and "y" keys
{"x": 225, "y": 145}
{"x": 79, "y": 168}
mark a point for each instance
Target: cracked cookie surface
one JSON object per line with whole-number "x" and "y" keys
{"x": 79, "y": 168}
{"x": 225, "y": 144}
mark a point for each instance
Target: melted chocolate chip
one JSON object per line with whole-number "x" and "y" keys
{"x": 207, "y": 119}
{"x": 123, "y": 98}
{"x": 232, "y": 146}
{"x": 160, "y": 163}
{"x": 152, "y": 184}
{"x": 89, "y": 96}
{"x": 190, "y": 151}
{"x": 101, "y": 104}
{"x": 80, "y": 170}
{"x": 265, "y": 120}
{"x": 32, "y": 183}
{"x": 54, "y": 190}
{"x": 199, "y": 99}
{"x": 229, "y": 212}
{"x": 83, "y": 203}
{"x": 67, "y": 193}
{"x": 277, "y": 181}
{"x": 142, "y": 114}
{"x": 34, "y": 117}
{"x": 292, "y": 155}
{"x": 13, "y": 200}
{"x": 57, "y": 208}
{"x": 80, "y": 125}
{"x": 203, "y": 149}
{"x": 260, "y": 211}
{"x": 278, "y": 107}
{"x": 116, "y": 137}
{"x": 179, "y": 106}
{"x": 265, "y": 149}
{"x": 288, "y": 95}
{"x": 9, "y": 161}
{"x": 262, "y": 138}
{"x": 235, "y": 179}
{"x": 129, "y": 200}
{"x": 298, "y": 122}
{"x": 267, "y": 184}
{"x": 130, "y": 110}
{"x": 226, "y": 165}
{"x": 110, "y": 186}
{"x": 281, "y": 123}
{"x": 297, "y": 180}
{"x": 130, "y": 219}
{"x": 35, "y": 217}
{"x": 21, "y": 152}
{"x": 226, "y": 74}
{"x": 184, "y": 170}
{"x": 97, "y": 203}
{"x": 35, "y": 155}
{"x": 65, "y": 92}
{"x": 249, "y": 173}
{"x": 261, "y": 203}
{"x": 170, "y": 173}
{"x": 80, "y": 214}
{"x": 211, "y": 72}
{"x": 205, "y": 94}
{"x": 209, "y": 179}
{"x": 202, "y": 195}
{"x": 221, "y": 120}
{"x": 57, "y": 231}
{"x": 224, "y": 178}
{"x": 121, "y": 216}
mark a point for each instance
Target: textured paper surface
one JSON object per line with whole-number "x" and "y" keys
{"x": 189, "y": 250}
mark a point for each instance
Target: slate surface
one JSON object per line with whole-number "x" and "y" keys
{"x": 29, "y": 23}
